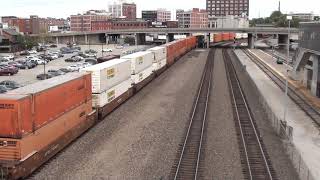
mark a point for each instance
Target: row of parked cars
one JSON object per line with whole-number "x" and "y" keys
{"x": 6, "y": 86}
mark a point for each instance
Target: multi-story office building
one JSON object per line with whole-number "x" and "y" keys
{"x": 129, "y": 11}
{"x": 149, "y": 15}
{"x": 227, "y": 7}
{"x": 163, "y": 15}
{"x": 123, "y": 10}
{"x": 160, "y": 15}
{"x": 194, "y": 18}
{"x": 32, "y": 25}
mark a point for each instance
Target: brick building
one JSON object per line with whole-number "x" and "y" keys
{"x": 160, "y": 15}
{"x": 194, "y": 18}
{"x": 32, "y": 25}
{"x": 127, "y": 11}
{"x": 123, "y": 24}
{"x": 227, "y": 7}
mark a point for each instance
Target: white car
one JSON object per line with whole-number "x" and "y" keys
{"x": 119, "y": 47}
{"x": 84, "y": 65}
{"x": 107, "y": 50}
{"x": 39, "y": 61}
{"x": 73, "y": 68}
{"x": 8, "y": 57}
{"x": 30, "y": 57}
{"x": 32, "y": 52}
{"x": 54, "y": 56}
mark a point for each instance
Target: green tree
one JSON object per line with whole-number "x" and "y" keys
{"x": 26, "y": 42}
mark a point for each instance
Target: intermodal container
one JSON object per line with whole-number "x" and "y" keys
{"x": 159, "y": 53}
{"x": 171, "y": 52}
{"x": 225, "y": 36}
{"x": 217, "y": 38}
{"x": 137, "y": 78}
{"x": 232, "y": 36}
{"x": 140, "y": 61}
{"x": 159, "y": 65}
{"x": 102, "y": 99}
{"x": 18, "y": 149}
{"x": 31, "y": 107}
{"x": 108, "y": 74}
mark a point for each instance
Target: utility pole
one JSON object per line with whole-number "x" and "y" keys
{"x": 288, "y": 59}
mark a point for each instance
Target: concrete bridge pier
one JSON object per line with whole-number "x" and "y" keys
{"x": 208, "y": 40}
{"x": 315, "y": 75}
{"x": 86, "y": 39}
{"x": 140, "y": 38}
{"x": 283, "y": 40}
{"x": 57, "y": 40}
{"x": 250, "y": 41}
{"x": 74, "y": 39}
{"x": 170, "y": 37}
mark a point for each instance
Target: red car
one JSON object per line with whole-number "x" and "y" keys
{"x": 8, "y": 70}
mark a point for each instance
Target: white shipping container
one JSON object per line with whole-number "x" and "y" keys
{"x": 137, "y": 78}
{"x": 102, "y": 99}
{"x": 109, "y": 74}
{"x": 159, "y": 65}
{"x": 159, "y": 53}
{"x": 139, "y": 61}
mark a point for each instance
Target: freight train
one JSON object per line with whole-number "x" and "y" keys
{"x": 39, "y": 120}
{"x": 222, "y": 37}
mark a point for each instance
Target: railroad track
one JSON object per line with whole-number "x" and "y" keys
{"x": 254, "y": 158}
{"x": 304, "y": 105}
{"x": 188, "y": 163}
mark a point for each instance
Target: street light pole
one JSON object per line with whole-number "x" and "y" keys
{"x": 288, "y": 59}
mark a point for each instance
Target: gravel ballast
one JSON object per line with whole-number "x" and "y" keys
{"x": 274, "y": 145}
{"x": 140, "y": 139}
{"x": 221, "y": 156}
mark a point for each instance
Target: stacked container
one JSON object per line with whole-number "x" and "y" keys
{"x": 160, "y": 58}
{"x": 141, "y": 66}
{"x": 38, "y": 114}
{"x": 110, "y": 80}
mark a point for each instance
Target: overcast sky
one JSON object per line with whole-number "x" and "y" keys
{"x": 64, "y": 8}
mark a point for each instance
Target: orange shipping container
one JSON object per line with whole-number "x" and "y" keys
{"x": 18, "y": 149}
{"x": 43, "y": 102}
{"x": 232, "y": 36}
{"x": 217, "y": 38}
{"x": 225, "y": 36}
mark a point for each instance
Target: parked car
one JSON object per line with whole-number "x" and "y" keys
{"x": 32, "y": 52}
{"x": 56, "y": 72}
{"x": 10, "y": 85}
{"x": 4, "y": 61}
{"x": 279, "y": 61}
{"x": 86, "y": 64}
{"x": 44, "y": 76}
{"x": 8, "y": 57}
{"x": 29, "y": 65}
{"x": 24, "y": 53}
{"x": 91, "y": 61}
{"x": 54, "y": 56}
{"x": 65, "y": 70}
{"x": 91, "y": 51}
{"x": 53, "y": 46}
{"x": 3, "y": 89}
{"x": 18, "y": 65}
{"x": 119, "y": 47}
{"x": 107, "y": 50}
{"x": 73, "y": 68}
{"x": 39, "y": 61}
{"x": 90, "y": 55}
{"x": 74, "y": 59}
{"x": 8, "y": 70}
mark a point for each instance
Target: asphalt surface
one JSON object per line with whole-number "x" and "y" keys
{"x": 25, "y": 77}
{"x": 141, "y": 138}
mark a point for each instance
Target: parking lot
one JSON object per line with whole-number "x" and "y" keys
{"x": 25, "y": 77}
